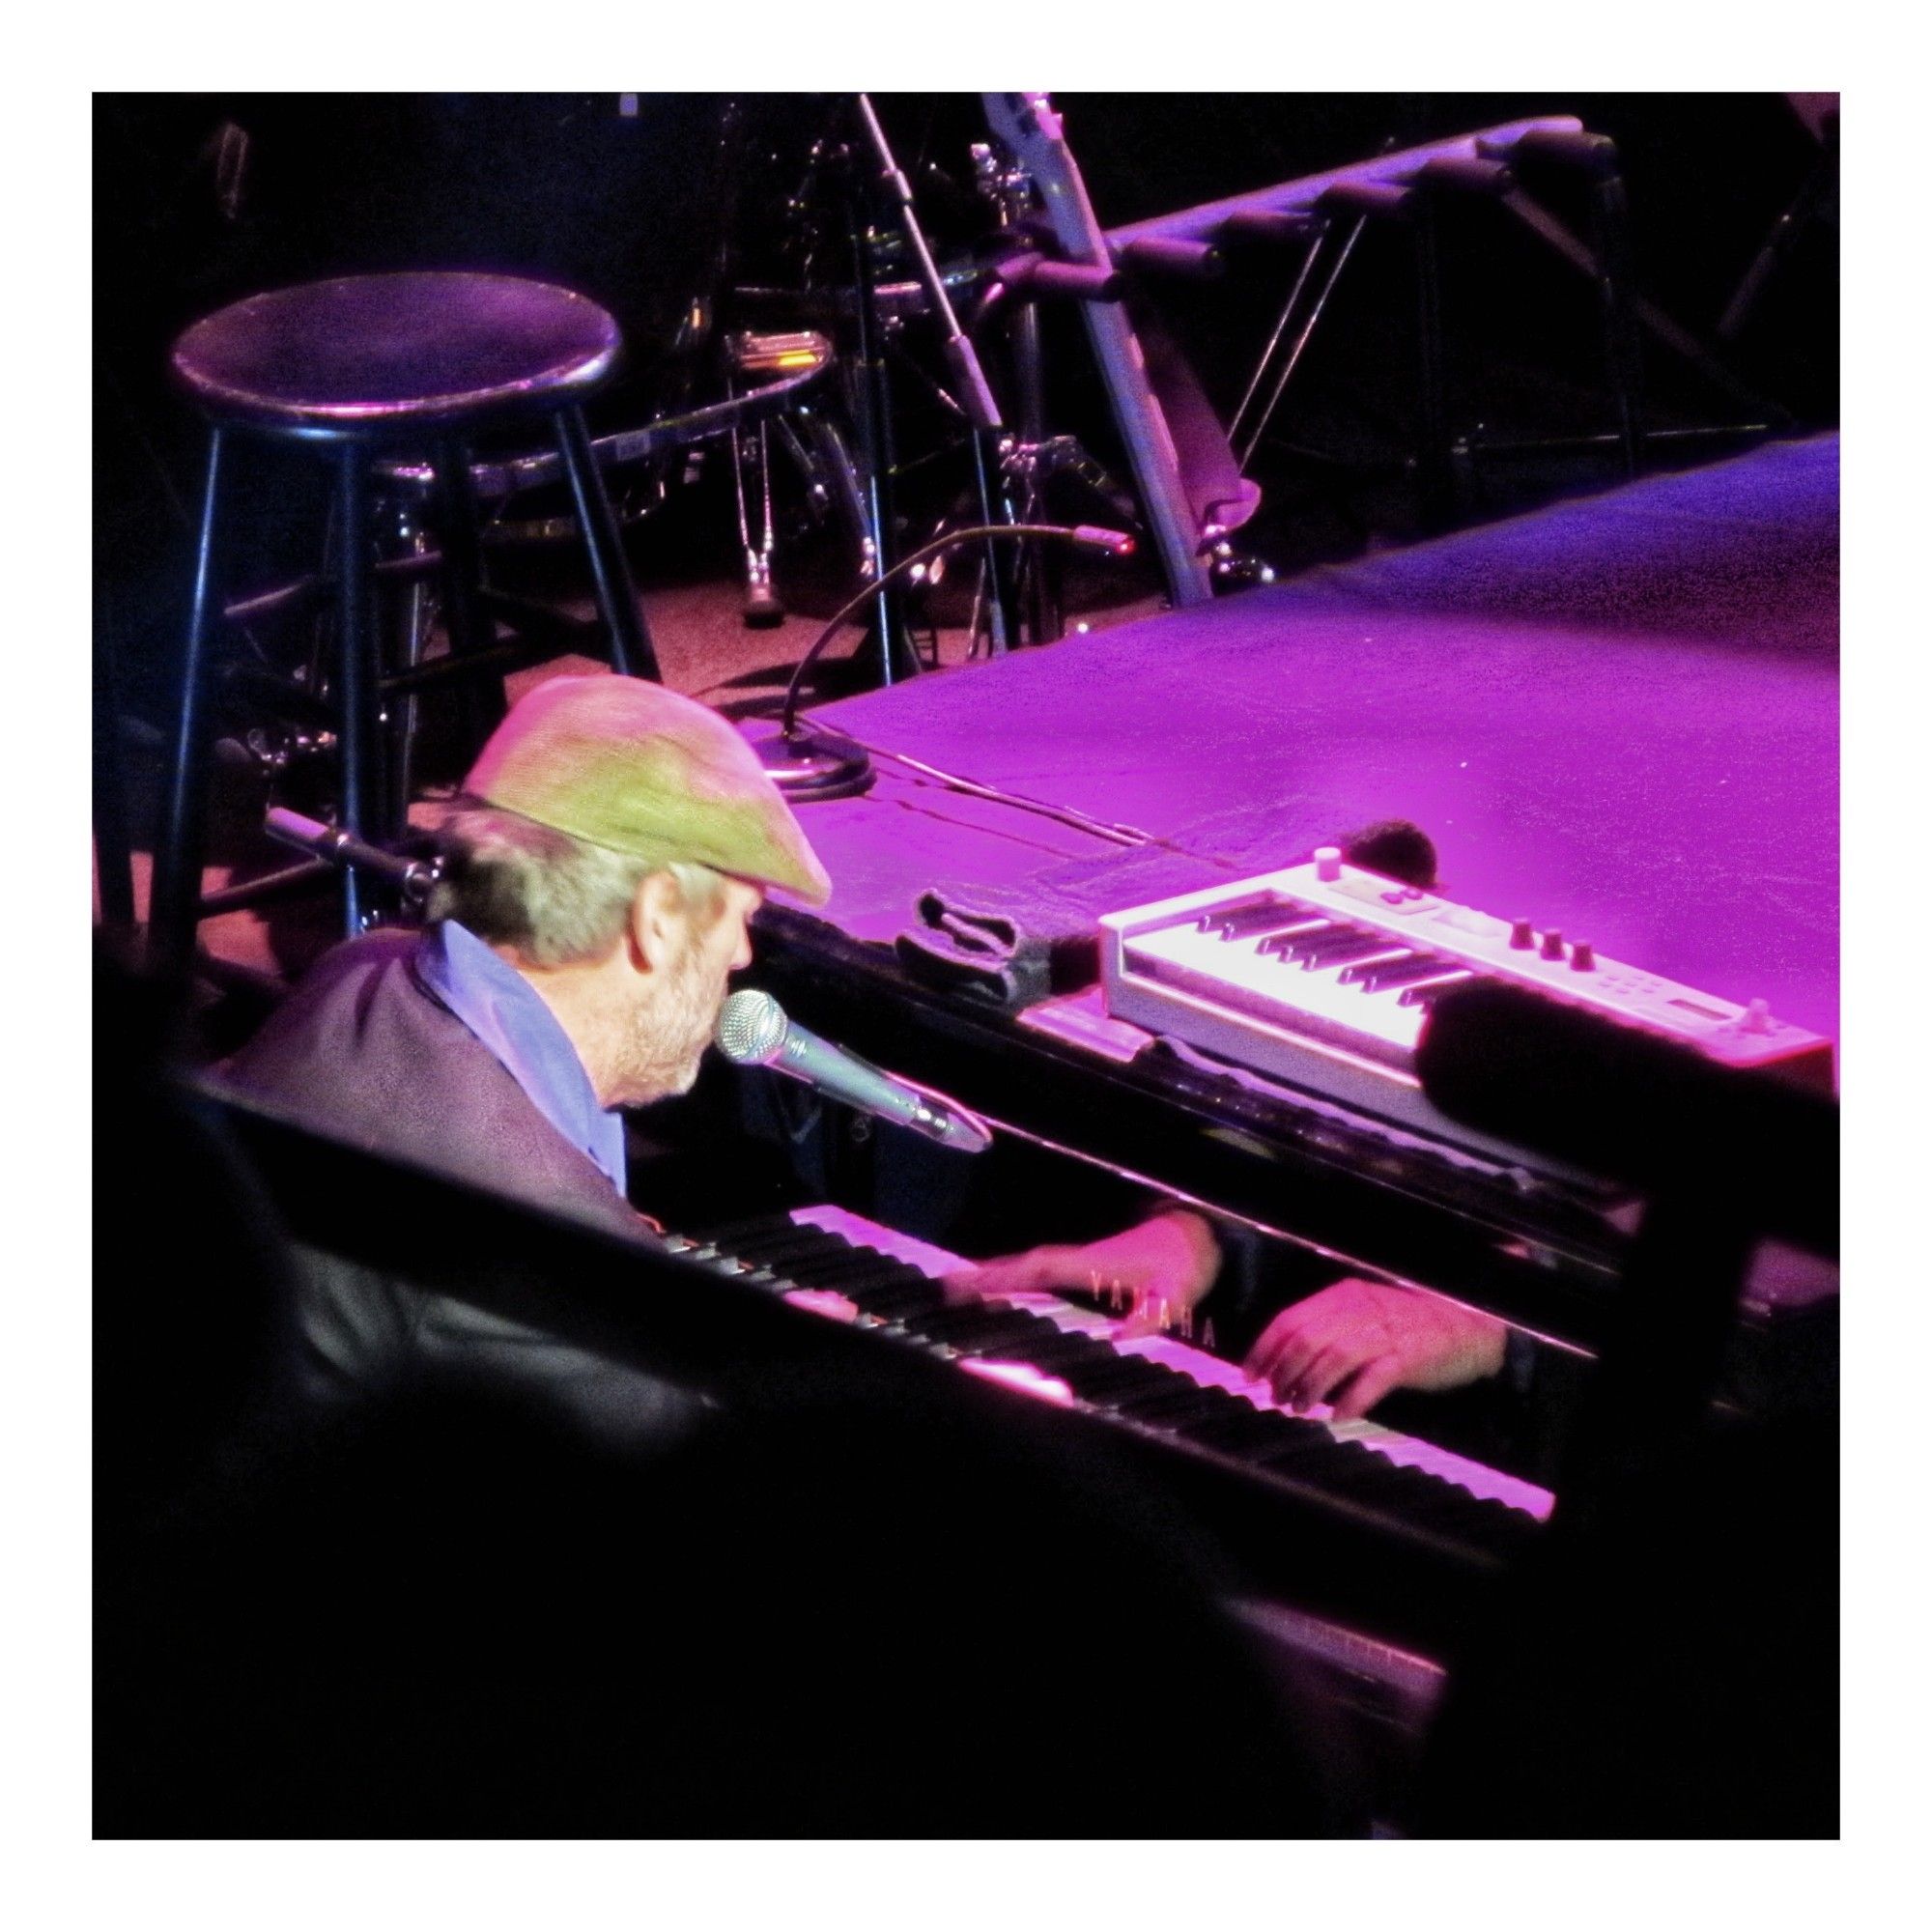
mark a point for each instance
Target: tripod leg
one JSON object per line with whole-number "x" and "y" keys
{"x": 1622, "y": 351}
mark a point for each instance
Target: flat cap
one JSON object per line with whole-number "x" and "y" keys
{"x": 624, "y": 763}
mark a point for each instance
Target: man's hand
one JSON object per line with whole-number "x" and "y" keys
{"x": 1159, "y": 1270}
{"x": 1352, "y": 1343}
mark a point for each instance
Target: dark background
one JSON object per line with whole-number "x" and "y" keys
{"x": 677, "y": 203}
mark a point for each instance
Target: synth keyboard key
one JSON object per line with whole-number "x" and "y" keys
{"x": 1337, "y": 953}
{"x": 1359, "y": 971}
{"x": 1304, "y": 932}
{"x": 1429, "y": 991}
{"x": 1273, "y": 938}
{"x": 1378, "y": 977}
{"x": 1243, "y": 922}
{"x": 1317, "y": 945}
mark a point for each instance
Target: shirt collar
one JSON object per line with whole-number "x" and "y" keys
{"x": 510, "y": 1017}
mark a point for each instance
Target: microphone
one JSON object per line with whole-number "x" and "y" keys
{"x": 753, "y": 1030}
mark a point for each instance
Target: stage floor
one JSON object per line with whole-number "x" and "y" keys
{"x": 1618, "y": 716}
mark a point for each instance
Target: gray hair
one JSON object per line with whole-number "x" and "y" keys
{"x": 551, "y": 898}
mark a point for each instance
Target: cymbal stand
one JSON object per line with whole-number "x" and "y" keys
{"x": 974, "y": 394}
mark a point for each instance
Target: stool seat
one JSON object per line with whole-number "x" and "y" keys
{"x": 358, "y": 369}
{"x": 367, "y": 354}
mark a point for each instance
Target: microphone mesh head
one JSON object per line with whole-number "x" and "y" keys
{"x": 750, "y": 1028}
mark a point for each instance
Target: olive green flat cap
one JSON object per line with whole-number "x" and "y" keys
{"x": 626, "y": 764}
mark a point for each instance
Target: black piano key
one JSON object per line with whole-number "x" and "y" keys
{"x": 1172, "y": 1402}
{"x": 1051, "y": 1348}
{"x": 1114, "y": 1374}
{"x": 1170, "y": 1408}
{"x": 856, "y": 1268}
{"x": 972, "y": 1327}
{"x": 782, "y": 1245}
{"x": 906, "y": 1302}
{"x": 1101, "y": 1381}
{"x": 735, "y": 1235}
{"x": 1300, "y": 1444}
{"x": 1244, "y": 1431}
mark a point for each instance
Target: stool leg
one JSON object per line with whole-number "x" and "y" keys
{"x": 631, "y": 651}
{"x": 113, "y": 863}
{"x": 174, "y": 900}
{"x": 358, "y": 730}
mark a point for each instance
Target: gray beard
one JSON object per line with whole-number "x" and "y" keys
{"x": 664, "y": 1044}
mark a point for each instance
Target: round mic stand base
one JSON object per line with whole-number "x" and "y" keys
{"x": 811, "y": 763}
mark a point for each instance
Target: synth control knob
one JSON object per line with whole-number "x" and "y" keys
{"x": 1328, "y": 863}
{"x": 1582, "y": 958}
{"x": 1552, "y": 945}
{"x": 1758, "y": 1016}
{"x": 1523, "y": 934}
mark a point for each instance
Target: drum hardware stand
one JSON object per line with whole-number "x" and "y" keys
{"x": 762, "y": 610}
{"x": 870, "y": 408}
{"x": 1628, "y": 315}
{"x": 1024, "y": 461}
{"x": 1445, "y": 460}
{"x": 974, "y": 394}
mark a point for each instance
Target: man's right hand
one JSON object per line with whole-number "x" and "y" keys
{"x": 1352, "y": 1343}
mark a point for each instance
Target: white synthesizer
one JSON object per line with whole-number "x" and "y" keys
{"x": 1322, "y": 975}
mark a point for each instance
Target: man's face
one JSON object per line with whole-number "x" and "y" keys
{"x": 674, "y": 1022}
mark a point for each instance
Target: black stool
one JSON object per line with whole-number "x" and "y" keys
{"x": 371, "y": 366}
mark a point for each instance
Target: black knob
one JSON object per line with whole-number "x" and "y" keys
{"x": 1522, "y": 935}
{"x": 1581, "y": 958}
{"x": 1553, "y": 946}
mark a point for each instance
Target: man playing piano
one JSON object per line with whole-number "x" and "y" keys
{"x": 613, "y": 840}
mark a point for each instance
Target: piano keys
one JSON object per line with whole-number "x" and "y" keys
{"x": 1186, "y": 1400}
{"x": 1323, "y": 974}
{"x": 1151, "y": 1400}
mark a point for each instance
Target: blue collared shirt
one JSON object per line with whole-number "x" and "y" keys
{"x": 509, "y": 1016}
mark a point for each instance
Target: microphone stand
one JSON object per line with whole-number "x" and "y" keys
{"x": 808, "y": 761}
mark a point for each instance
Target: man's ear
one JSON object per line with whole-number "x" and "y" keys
{"x": 657, "y": 922}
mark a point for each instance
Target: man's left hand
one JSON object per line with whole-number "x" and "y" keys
{"x": 1157, "y": 1272}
